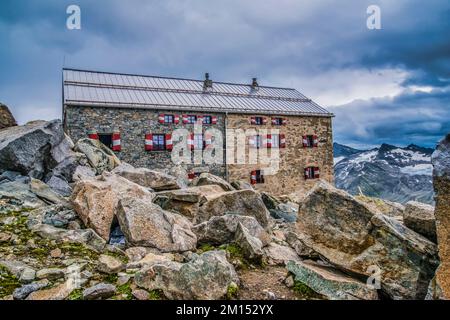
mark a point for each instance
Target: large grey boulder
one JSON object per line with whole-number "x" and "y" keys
{"x": 287, "y": 211}
{"x": 96, "y": 200}
{"x": 16, "y": 196}
{"x": 222, "y": 229}
{"x": 6, "y": 118}
{"x": 210, "y": 179}
{"x": 146, "y": 224}
{"x": 420, "y": 218}
{"x": 99, "y": 156}
{"x": 243, "y": 202}
{"x": 35, "y": 148}
{"x": 352, "y": 237}
{"x": 99, "y": 291}
{"x": 152, "y": 179}
{"x": 329, "y": 282}
{"x": 440, "y": 287}
{"x": 251, "y": 246}
{"x": 204, "y": 277}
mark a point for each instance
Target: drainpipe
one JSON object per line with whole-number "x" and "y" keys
{"x": 225, "y": 130}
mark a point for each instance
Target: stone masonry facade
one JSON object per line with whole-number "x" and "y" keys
{"x": 133, "y": 124}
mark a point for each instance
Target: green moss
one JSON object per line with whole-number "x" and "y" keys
{"x": 232, "y": 291}
{"x": 155, "y": 295}
{"x": 205, "y": 247}
{"x": 8, "y": 282}
{"x": 111, "y": 278}
{"x": 76, "y": 294}
{"x": 125, "y": 291}
{"x": 78, "y": 250}
{"x": 305, "y": 292}
{"x": 234, "y": 250}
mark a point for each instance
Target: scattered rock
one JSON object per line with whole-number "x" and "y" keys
{"x": 140, "y": 294}
{"x": 99, "y": 291}
{"x": 146, "y": 224}
{"x": 222, "y": 229}
{"x": 440, "y": 287}
{"x": 5, "y": 237}
{"x": 19, "y": 269}
{"x": 329, "y": 282}
{"x": 24, "y": 291}
{"x": 60, "y": 186}
{"x": 96, "y": 200}
{"x": 243, "y": 202}
{"x": 210, "y": 179}
{"x": 149, "y": 259}
{"x": 349, "y": 235}
{"x": 277, "y": 254}
{"x": 148, "y": 178}
{"x": 135, "y": 253}
{"x": 57, "y": 215}
{"x": 206, "y": 277}
{"x": 99, "y": 156}
{"x": 44, "y": 192}
{"x": 50, "y": 273}
{"x": 60, "y": 292}
{"x": 109, "y": 264}
{"x": 420, "y": 218}
{"x": 16, "y": 196}
{"x": 83, "y": 173}
{"x": 241, "y": 185}
{"x": 250, "y": 245}
{"x": 56, "y": 253}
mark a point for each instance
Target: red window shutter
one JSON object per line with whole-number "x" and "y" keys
{"x": 169, "y": 143}
{"x": 316, "y": 173}
{"x": 264, "y": 120}
{"x": 305, "y": 141}
{"x": 274, "y": 121}
{"x": 148, "y": 142}
{"x": 252, "y": 120}
{"x": 315, "y": 141}
{"x": 116, "y": 141}
{"x": 92, "y": 134}
{"x": 253, "y": 177}
{"x": 214, "y": 120}
{"x": 176, "y": 119}
{"x": 284, "y": 121}
{"x": 282, "y": 140}
{"x": 161, "y": 118}
{"x": 269, "y": 141}
{"x": 185, "y": 118}
{"x": 307, "y": 174}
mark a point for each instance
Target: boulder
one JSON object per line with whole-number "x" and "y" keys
{"x": 59, "y": 292}
{"x": 386, "y": 207}
{"x": 352, "y": 237}
{"x": 186, "y": 201}
{"x": 146, "y": 224}
{"x": 241, "y": 185}
{"x": 82, "y": 173}
{"x": 251, "y": 246}
{"x": 440, "y": 287}
{"x": 329, "y": 282}
{"x": 6, "y": 118}
{"x": 96, "y": 200}
{"x": 243, "y": 202}
{"x": 99, "y": 291}
{"x": 147, "y": 178}
{"x": 60, "y": 186}
{"x": 135, "y": 253}
{"x": 16, "y": 196}
{"x": 420, "y": 218}
{"x": 286, "y": 211}
{"x": 24, "y": 291}
{"x": 47, "y": 194}
{"x": 34, "y": 149}
{"x": 109, "y": 264}
{"x": 99, "y": 156}
{"x": 277, "y": 254}
{"x": 149, "y": 259}
{"x": 210, "y": 179}
{"x": 222, "y": 229}
{"x": 19, "y": 269}
{"x": 50, "y": 273}
{"x": 204, "y": 277}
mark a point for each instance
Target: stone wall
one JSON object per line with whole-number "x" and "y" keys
{"x": 133, "y": 125}
{"x": 293, "y": 158}
{"x": 6, "y": 118}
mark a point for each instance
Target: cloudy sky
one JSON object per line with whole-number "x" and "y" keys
{"x": 390, "y": 85}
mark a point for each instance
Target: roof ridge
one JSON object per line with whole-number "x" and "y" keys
{"x": 174, "y": 78}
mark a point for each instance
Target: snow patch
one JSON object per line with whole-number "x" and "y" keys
{"x": 418, "y": 169}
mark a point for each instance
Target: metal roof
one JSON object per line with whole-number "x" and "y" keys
{"x": 105, "y": 89}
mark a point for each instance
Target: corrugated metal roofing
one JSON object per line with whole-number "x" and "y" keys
{"x": 103, "y": 89}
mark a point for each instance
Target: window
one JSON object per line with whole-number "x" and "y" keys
{"x": 207, "y": 120}
{"x": 312, "y": 173}
{"x": 191, "y": 119}
{"x": 158, "y": 142}
{"x": 275, "y": 141}
{"x": 258, "y": 120}
{"x": 168, "y": 118}
{"x": 277, "y": 121}
{"x": 198, "y": 142}
{"x": 259, "y": 176}
{"x": 310, "y": 141}
{"x": 106, "y": 139}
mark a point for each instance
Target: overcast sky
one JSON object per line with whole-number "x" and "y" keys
{"x": 390, "y": 85}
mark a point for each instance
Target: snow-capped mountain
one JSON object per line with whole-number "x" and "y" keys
{"x": 388, "y": 172}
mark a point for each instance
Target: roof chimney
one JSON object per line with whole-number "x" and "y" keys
{"x": 255, "y": 85}
{"x": 207, "y": 84}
